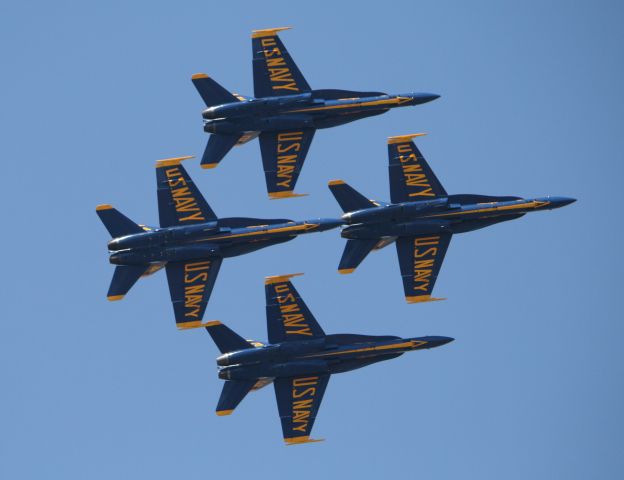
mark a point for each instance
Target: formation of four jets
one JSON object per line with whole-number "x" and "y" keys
{"x": 191, "y": 241}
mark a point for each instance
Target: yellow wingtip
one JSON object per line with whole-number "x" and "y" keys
{"x": 114, "y": 298}
{"x": 285, "y": 194}
{"x": 167, "y": 162}
{"x": 336, "y": 182}
{"x": 280, "y": 278}
{"x": 209, "y": 165}
{"x": 196, "y": 324}
{"x": 268, "y": 32}
{"x": 104, "y": 206}
{"x": 302, "y": 440}
{"x": 345, "y": 271}
{"x": 422, "y": 299}
{"x": 223, "y": 413}
{"x": 404, "y": 138}
{"x": 195, "y": 76}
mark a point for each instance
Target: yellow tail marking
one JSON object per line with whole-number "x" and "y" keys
{"x": 285, "y": 194}
{"x": 222, "y": 413}
{"x": 199, "y": 75}
{"x": 300, "y": 440}
{"x": 196, "y": 324}
{"x": 346, "y": 271}
{"x": 114, "y": 298}
{"x": 422, "y": 299}
{"x": 209, "y": 165}
{"x": 336, "y": 182}
{"x": 104, "y": 206}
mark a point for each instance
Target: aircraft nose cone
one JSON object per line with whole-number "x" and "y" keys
{"x": 420, "y": 98}
{"x": 558, "y": 202}
{"x": 439, "y": 341}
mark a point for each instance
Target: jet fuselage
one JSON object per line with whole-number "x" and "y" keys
{"x": 316, "y": 109}
{"x": 452, "y": 214}
{"x": 226, "y": 237}
{"x": 331, "y": 354}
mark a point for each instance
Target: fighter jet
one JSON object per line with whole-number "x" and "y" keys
{"x": 421, "y": 218}
{"x": 284, "y": 114}
{"x": 298, "y": 359}
{"x": 190, "y": 243}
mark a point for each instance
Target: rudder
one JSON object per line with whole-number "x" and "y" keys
{"x": 116, "y": 222}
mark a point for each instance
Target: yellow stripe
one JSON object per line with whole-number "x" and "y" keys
{"x": 300, "y": 440}
{"x": 404, "y": 138}
{"x": 531, "y": 204}
{"x": 295, "y": 228}
{"x": 285, "y": 194}
{"x": 196, "y": 324}
{"x": 422, "y": 299}
{"x": 346, "y": 271}
{"x": 222, "y": 413}
{"x": 199, "y": 75}
{"x": 209, "y": 165}
{"x": 280, "y": 278}
{"x": 114, "y": 298}
{"x": 104, "y": 206}
{"x": 372, "y": 103}
{"x": 365, "y": 349}
{"x": 268, "y": 32}
{"x": 167, "y": 162}
{"x": 336, "y": 182}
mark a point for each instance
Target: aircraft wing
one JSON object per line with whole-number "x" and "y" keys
{"x": 283, "y": 154}
{"x": 420, "y": 259}
{"x": 179, "y": 200}
{"x": 190, "y": 286}
{"x": 411, "y": 177}
{"x": 298, "y": 402}
{"x": 288, "y": 317}
{"x": 274, "y": 71}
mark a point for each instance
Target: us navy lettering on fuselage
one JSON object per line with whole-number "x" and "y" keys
{"x": 183, "y": 199}
{"x": 288, "y": 148}
{"x": 279, "y": 73}
{"x": 415, "y": 180}
{"x": 303, "y": 393}
{"x": 195, "y": 278}
{"x": 293, "y": 320}
{"x": 425, "y": 252}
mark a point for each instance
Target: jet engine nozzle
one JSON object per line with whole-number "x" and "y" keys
{"x": 223, "y": 360}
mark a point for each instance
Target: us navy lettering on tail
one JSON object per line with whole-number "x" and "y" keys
{"x": 183, "y": 199}
{"x": 291, "y": 315}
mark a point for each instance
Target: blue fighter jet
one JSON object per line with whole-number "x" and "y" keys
{"x": 421, "y": 218}
{"x": 191, "y": 242}
{"x": 284, "y": 114}
{"x": 298, "y": 359}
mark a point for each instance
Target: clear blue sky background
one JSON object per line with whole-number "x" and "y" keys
{"x": 94, "y": 92}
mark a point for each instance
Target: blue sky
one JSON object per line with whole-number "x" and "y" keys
{"x": 532, "y": 104}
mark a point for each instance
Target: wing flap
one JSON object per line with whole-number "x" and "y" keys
{"x": 411, "y": 177}
{"x": 420, "y": 259}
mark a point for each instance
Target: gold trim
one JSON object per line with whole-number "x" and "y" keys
{"x": 268, "y": 32}
{"x": 167, "y": 162}
{"x": 280, "y": 278}
{"x": 404, "y": 138}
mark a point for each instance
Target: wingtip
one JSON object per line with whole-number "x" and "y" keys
{"x": 280, "y": 278}
{"x": 196, "y": 324}
{"x": 167, "y": 162}
{"x": 335, "y": 182}
{"x": 114, "y": 298}
{"x": 346, "y": 271}
{"x": 286, "y": 194}
{"x": 268, "y": 32}
{"x": 422, "y": 299}
{"x": 404, "y": 138}
{"x": 196, "y": 76}
{"x": 209, "y": 165}
{"x": 301, "y": 440}
{"x": 104, "y": 206}
{"x": 223, "y": 413}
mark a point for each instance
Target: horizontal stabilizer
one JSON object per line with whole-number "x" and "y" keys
{"x": 232, "y": 394}
{"x": 211, "y": 92}
{"x": 124, "y": 277}
{"x": 348, "y": 198}
{"x": 116, "y": 222}
{"x": 218, "y": 146}
{"x": 226, "y": 339}
{"x": 355, "y": 251}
